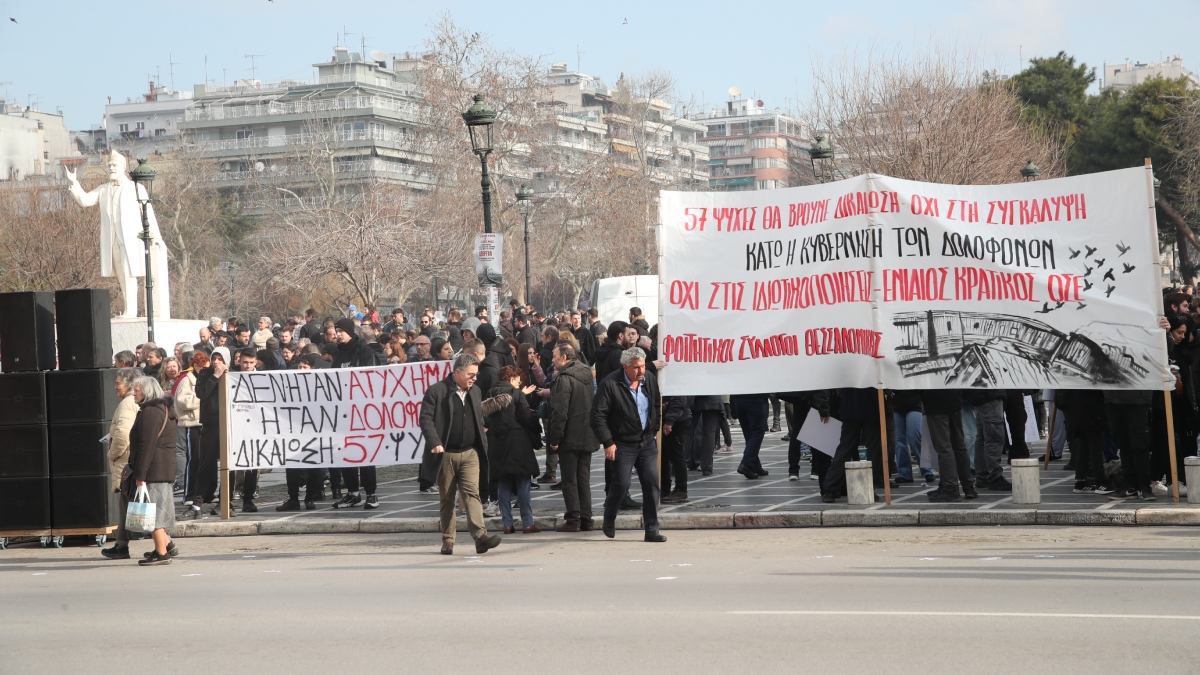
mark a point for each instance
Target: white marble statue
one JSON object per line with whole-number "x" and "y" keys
{"x": 122, "y": 253}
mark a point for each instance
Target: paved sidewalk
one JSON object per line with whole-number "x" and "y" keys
{"x": 727, "y": 499}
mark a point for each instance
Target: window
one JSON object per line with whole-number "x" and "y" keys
{"x": 160, "y": 132}
{"x": 766, "y": 185}
{"x": 243, "y": 134}
{"x": 46, "y": 155}
{"x": 124, "y": 128}
{"x": 377, "y": 128}
{"x": 141, "y": 125}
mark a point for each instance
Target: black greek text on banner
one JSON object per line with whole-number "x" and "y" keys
{"x": 336, "y": 417}
{"x": 881, "y": 282}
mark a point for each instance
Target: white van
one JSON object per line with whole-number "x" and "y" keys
{"x": 613, "y": 297}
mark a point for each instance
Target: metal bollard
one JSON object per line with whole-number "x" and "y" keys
{"x": 1026, "y": 481}
{"x": 860, "y": 485}
{"x": 1191, "y": 471}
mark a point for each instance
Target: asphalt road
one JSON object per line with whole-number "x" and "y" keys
{"x": 906, "y": 600}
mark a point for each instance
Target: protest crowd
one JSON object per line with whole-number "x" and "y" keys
{"x": 567, "y": 383}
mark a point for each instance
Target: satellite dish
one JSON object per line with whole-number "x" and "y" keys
{"x": 259, "y": 166}
{"x": 759, "y": 102}
{"x": 734, "y": 91}
{"x": 379, "y": 56}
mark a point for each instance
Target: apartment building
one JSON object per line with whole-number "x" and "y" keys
{"x": 361, "y": 110}
{"x": 151, "y": 125}
{"x": 645, "y": 134}
{"x": 751, "y": 148}
{"x": 1122, "y": 76}
{"x": 32, "y": 143}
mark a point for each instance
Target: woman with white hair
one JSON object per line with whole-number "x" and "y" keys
{"x": 151, "y": 465}
{"x": 263, "y": 333}
{"x": 122, "y": 422}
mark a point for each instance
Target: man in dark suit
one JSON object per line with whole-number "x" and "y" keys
{"x": 452, "y": 423}
{"x": 625, "y": 418}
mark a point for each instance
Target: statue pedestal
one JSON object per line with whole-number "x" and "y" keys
{"x": 129, "y": 333}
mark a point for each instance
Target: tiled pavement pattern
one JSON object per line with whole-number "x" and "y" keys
{"x": 729, "y": 492}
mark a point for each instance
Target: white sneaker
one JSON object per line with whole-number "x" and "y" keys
{"x": 491, "y": 510}
{"x": 1158, "y": 488}
{"x": 793, "y": 476}
{"x": 813, "y": 476}
{"x": 1182, "y": 489}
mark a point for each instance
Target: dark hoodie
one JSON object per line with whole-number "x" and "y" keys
{"x": 355, "y": 354}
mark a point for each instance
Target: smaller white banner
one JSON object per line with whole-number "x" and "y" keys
{"x": 818, "y": 435}
{"x": 489, "y": 259}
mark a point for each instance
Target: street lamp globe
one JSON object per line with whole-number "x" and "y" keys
{"x": 144, "y": 176}
{"x": 820, "y": 151}
{"x": 1030, "y": 170}
{"x": 525, "y": 198}
{"x": 479, "y": 120}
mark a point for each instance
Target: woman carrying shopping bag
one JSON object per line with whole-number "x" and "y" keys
{"x": 148, "y": 477}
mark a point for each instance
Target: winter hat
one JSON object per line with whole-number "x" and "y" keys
{"x": 486, "y": 333}
{"x": 346, "y": 326}
{"x": 223, "y": 352}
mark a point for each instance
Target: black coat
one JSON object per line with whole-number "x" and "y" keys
{"x": 817, "y": 398}
{"x": 677, "y": 411}
{"x": 571, "y": 395}
{"x": 435, "y": 416}
{"x": 152, "y": 441}
{"x": 608, "y": 359}
{"x": 209, "y": 392}
{"x": 587, "y": 343}
{"x": 514, "y": 433}
{"x": 355, "y": 354}
{"x": 615, "y": 417}
{"x": 312, "y": 330}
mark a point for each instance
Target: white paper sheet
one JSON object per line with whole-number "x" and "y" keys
{"x": 823, "y": 436}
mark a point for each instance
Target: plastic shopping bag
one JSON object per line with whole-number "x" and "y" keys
{"x": 141, "y": 514}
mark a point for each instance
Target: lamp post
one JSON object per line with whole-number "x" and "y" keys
{"x": 1030, "y": 171}
{"x": 525, "y": 203}
{"x": 143, "y": 180}
{"x": 479, "y": 120}
{"x": 821, "y": 151}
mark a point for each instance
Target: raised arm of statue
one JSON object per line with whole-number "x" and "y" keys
{"x": 84, "y": 199}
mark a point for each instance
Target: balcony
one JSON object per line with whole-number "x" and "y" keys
{"x": 367, "y": 168}
{"x": 215, "y": 112}
{"x": 285, "y": 140}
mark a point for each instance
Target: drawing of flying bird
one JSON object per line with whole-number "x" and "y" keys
{"x": 1074, "y": 253}
{"x": 1121, "y": 247}
{"x": 1099, "y": 262}
{"x": 1090, "y": 251}
{"x": 1081, "y": 306}
{"x": 1089, "y": 270}
{"x": 1087, "y": 285}
{"x": 1128, "y": 268}
{"x": 1109, "y": 275}
{"x": 1045, "y": 308}
{"x": 1108, "y": 293}
{"x": 1059, "y": 305}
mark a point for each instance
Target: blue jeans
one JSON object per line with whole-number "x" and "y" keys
{"x": 970, "y": 432}
{"x": 908, "y": 443}
{"x": 504, "y": 489}
{"x": 752, "y": 415}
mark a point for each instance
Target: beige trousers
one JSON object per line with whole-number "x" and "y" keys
{"x": 460, "y": 471}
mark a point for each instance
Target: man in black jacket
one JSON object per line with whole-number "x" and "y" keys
{"x": 208, "y": 382}
{"x": 989, "y": 446}
{"x": 621, "y": 336}
{"x": 354, "y": 352}
{"x": 311, "y": 328}
{"x": 625, "y": 420}
{"x": 524, "y": 330}
{"x": 569, "y": 433}
{"x": 583, "y": 335}
{"x": 452, "y": 423}
{"x": 677, "y": 431}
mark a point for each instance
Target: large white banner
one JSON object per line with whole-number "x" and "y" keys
{"x": 340, "y": 417}
{"x": 881, "y": 282}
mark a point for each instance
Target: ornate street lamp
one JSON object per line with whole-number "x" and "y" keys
{"x": 479, "y": 120}
{"x": 525, "y": 203}
{"x": 821, "y": 151}
{"x": 143, "y": 179}
{"x": 1030, "y": 171}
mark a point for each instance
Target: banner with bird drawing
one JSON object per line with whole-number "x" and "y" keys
{"x": 882, "y": 282}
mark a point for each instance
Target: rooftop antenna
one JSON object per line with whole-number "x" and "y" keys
{"x": 578, "y": 60}
{"x": 362, "y": 46}
{"x": 5, "y": 84}
{"x": 346, "y": 37}
{"x": 206, "y": 70}
{"x": 253, "y": 65}
{"x": 171, "y": 63}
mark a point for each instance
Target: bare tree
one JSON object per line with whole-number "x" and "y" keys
{"x": 930, "y": 117}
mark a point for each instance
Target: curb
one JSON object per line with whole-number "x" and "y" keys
{"x": 718, "y": 521}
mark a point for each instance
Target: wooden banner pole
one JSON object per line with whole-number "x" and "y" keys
{"x": 885, "y": 454}
{"x": 1050, "y": 435}
{"x": 223, "y": 398}
{"x": 1171, "y": 445}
